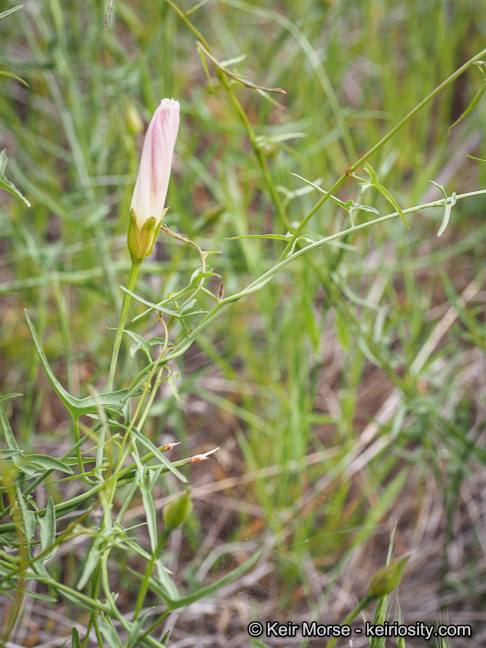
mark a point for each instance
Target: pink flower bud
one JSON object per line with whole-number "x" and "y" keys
{"x": 148, "y": 201}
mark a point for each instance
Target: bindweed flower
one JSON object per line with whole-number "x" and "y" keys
{"x": 148, "y": 202}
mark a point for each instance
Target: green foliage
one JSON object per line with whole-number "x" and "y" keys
{"x": 338, "y": 348}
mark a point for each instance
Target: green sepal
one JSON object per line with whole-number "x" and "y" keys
{"x": 141, "y": 240}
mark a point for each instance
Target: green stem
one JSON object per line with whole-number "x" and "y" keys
{"x": 377, "y": 146}
{"x": 256, "y": 285}
{"x": 68, "y": 505}
{"x": 135, "y": 267}
{"x": 244, "y": 119}
{"x": 148, "y": 572}
{"x": 156, "y": 623}
{"x": 351, "y": 616}
{"x": 78, "y": 452}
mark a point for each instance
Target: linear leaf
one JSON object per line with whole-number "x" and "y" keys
{"x": 5, "y": 183}
{"x": 374, "y": 182}
{"x": 162, "y": 458}
{"x": 28, "y": 517}
{"x": 110, "y": 633}
{"x": 44, "y": 462}
{"x": 148, "y": 505}
{"x": 7, "y": 430}
{"x": 471, "y": 157}
{"x": 448, "y": 205}
{"x": 76, "y": 642}
{"x": 92, "y": 561}
{"x": 167, "y": 311}
{"x": 47, "y": 525}
{"x": 111, "y": 401}
{"x": 476, "y": 98}
{"x": 206, "y": 591}
{"x": 9, "y": 396}
{"x": 10, "y": 11}
{"x": 14, "y": 76}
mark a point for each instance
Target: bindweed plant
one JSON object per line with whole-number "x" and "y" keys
{"x": 114, "y": 459}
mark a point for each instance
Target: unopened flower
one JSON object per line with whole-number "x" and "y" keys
{"x": 385, "y": 580}
{"x": 177, "y": 511}
{"x": 148, "y": 202}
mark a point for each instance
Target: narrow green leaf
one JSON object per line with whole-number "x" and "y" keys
{"x": 366, "y": 208}
{"x": 140, "y": 343}
{"x": 109, "y": 632}
{"x": 206, "y": 591}
{"x": 471, "y": 157}
{"x": 322, "y": 191}
{"x": 198, "y": 274}
{"x": 174, "y": 603}
{"x": 448, "y": 205}
{"x": 10, "y": 11}
{"x": 76, "y": 642}
{"x": 4, "y": 182}
{"x": 41, "y": 597}
{"x": 374, "y": 182}
{"x": 343, "y": 331}
{"x": 43, "y": 462}
{"x": 148, "y": 505}
{"x": 111, "y": 401}
{"x": 477, "y": 96}
{"x": 92, "y": 560}
{"x": 350, "y": 207}
{"x": 136, "y": 629}
{"x": 28, "y": 517}
{"x": 9, "y": 454}
{"x": 7, "y": 430}
{"x": 9, "y": 396}
{"x": 14, "y": 76}
{"x": 270, "y": 237}
{"x": 162, "y": 458}
{"x": 178, "y": 314}
{"x": 47, "y": 525}
{"x": 151, "y": 517}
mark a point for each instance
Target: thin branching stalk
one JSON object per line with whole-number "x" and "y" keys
{"x": 135, "y": 267}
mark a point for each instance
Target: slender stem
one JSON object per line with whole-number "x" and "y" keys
{"x": 244, "y": 119}
{"x": 78, "y": 452}
{"x": 351, "y": 616}
{"x": 256, "y": 285}
{"x": 257, "y": 149}
{"x": 314, "y": 60}
{"x": 135, "y": 267}
{"x": 156, "y": 623}
{"x": 64, "y": 507}
{"x": 148, "y": 573}
{"x": 377, "y": 146}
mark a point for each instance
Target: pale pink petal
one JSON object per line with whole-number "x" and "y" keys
{"x": 155, "y": 165}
